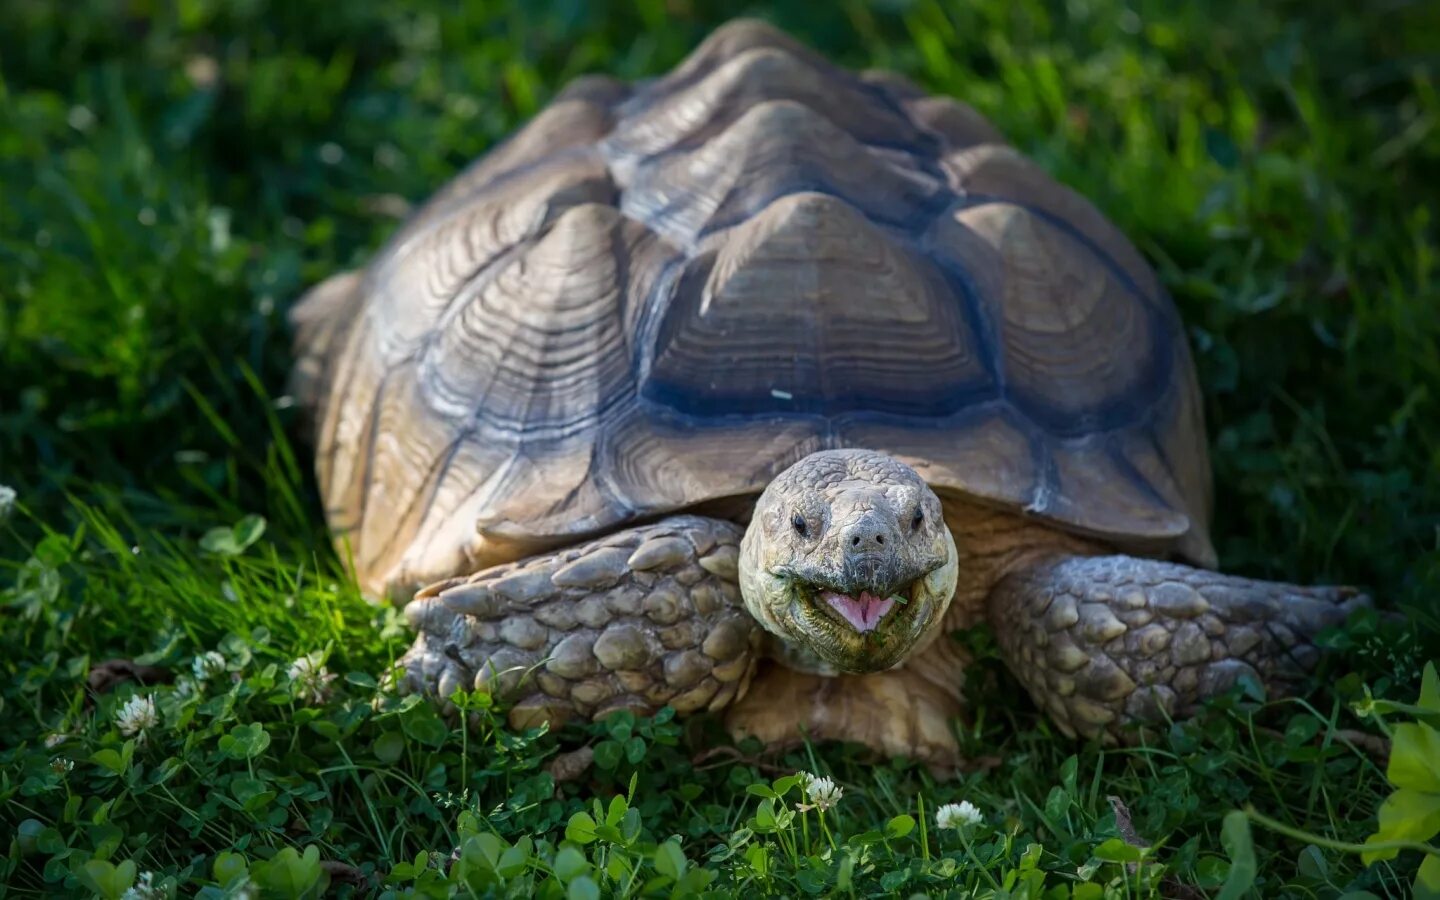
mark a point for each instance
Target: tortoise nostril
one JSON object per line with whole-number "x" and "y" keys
{"x": 855, "y": 541}
{"x": 880, "y": 539}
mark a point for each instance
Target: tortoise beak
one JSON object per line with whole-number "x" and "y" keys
{"x": 872, "y": 574}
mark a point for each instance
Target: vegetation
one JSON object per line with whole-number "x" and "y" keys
{"x": 175, "y": 174}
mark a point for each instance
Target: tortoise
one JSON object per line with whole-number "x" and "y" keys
{"x": 746, "y": 388}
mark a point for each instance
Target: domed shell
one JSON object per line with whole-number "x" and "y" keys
{"x": 659, "y": 297}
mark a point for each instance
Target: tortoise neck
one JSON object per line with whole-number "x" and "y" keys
{"x": 992, "y": 543}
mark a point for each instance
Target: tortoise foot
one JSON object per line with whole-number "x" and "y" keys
{"x": 640, "y": 619}
{"x": 1100, "y": 642}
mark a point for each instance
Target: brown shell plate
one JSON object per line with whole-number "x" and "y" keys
{"x": 656, "y": 296}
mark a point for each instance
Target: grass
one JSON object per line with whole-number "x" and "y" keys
{"x": 174, "y": 175}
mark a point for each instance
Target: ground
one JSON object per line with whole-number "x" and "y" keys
{"x": 174, "y": 175}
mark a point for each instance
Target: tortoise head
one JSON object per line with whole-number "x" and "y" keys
{"x": 848, "y": 557}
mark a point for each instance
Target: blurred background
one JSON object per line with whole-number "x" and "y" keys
{"x": 174, "y": 173}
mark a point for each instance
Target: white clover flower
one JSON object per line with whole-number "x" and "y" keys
{"x": 136, "y": 716}
{"x": 958, "y": 815}
{"x": 207, "y": 665}
{"x": 821, "y": 790}
{"x": 7, "y": 501}
{"x": 310, "y": 676}
{"x": 62, "y": 766}
{"x": 144, "y": 888}
{"x": 54, "y": 740}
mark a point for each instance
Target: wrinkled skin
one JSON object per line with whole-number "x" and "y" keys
{"x": 847, "y": 560}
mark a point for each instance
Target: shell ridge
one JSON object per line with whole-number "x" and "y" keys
{"x": 1047, "y": 479}
{"x": 471, "y": 292}
{"x": 977, "y": 317}
{"x": 796, "y": 148}
{"x": 1121, "y": 461}
{"x": 1154, "y": 386}
{"x": 651, "y": 316}
{"x": 371, "y": 442}
{"x": 342, "y": 380}
{"x": 426, "y": 217}
{"x": 1065, "y": 225}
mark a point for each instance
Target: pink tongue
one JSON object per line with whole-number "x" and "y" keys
{"x": 864, "y": 611}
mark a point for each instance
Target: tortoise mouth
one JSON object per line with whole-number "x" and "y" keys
{"x": 858, "y": 632}
{"x": 861, "y": 611}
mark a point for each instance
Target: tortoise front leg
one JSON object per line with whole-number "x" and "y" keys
{"x": 1102, "y": 641}
{"x": 640, "y": 619}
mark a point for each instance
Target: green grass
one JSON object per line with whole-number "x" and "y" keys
{"x": 173, "y": 175}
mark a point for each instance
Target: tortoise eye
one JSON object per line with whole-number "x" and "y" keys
{"x": 918, "y": 520}
{"x": 798, "y": 521}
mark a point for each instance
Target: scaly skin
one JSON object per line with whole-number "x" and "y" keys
{"x": 639, "y": 619}
{"x": 1102, "y": 641}
{"x": 653, "y": 615}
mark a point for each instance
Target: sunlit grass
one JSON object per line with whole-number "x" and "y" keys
{"x": 173, "y": 180}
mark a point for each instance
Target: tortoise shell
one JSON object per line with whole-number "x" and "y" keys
{"x": 660, "y": 296}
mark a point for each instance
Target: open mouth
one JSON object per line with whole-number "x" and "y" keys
{"x": 865, "y": 612}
